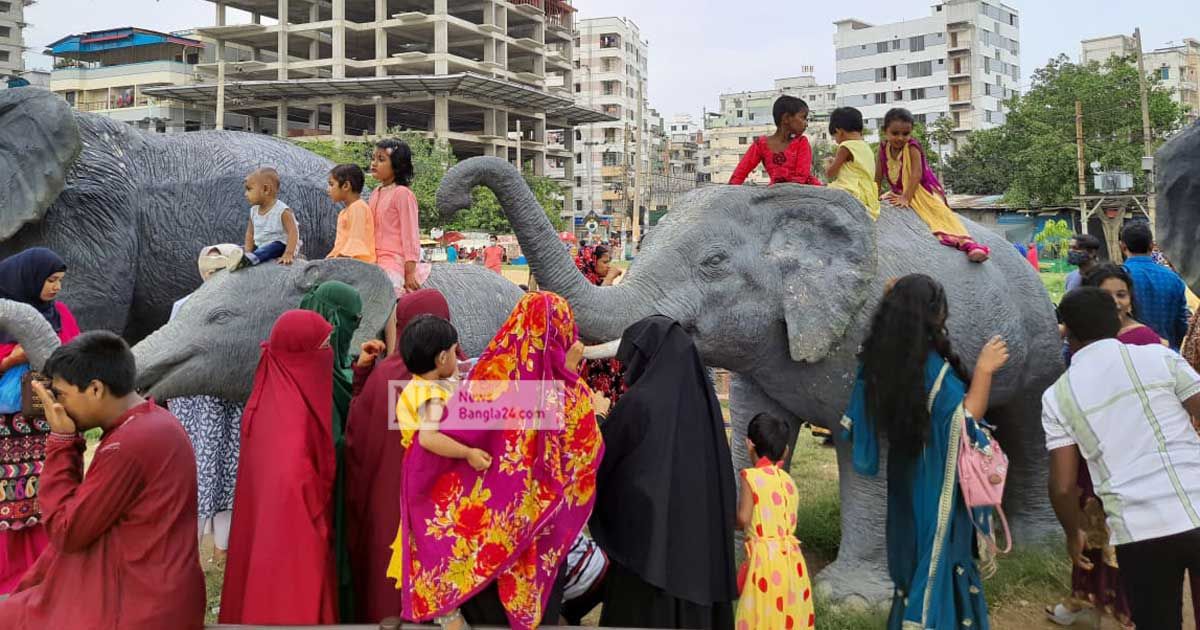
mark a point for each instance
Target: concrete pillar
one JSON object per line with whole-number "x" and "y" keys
{"x": 381, "y": 53}
{"x": 337, "y": 122}
{"x": 441, "y": 38}
{"x": 339, "y": 40}
{"x": 256, "y": 18}
{"x": 314, "y": 47}
{"x": 281, "y": 115}
{"x": 441, "y": 116}
{"x": 220, "y": 13}
{"x": 314, "y": 117}
{"x": 283, "y": 39}
{"x": 381, "y": 121}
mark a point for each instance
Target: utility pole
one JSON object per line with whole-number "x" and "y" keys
{"x": 625, "y": 169}
{"x": 520, "y": 165}
{"x": 1147, "y": 140}
{"x": 1083, "y": 218}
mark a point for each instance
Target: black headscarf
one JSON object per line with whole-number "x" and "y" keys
{"x": 665, "y": 495}
{"x": 22, "y": 277}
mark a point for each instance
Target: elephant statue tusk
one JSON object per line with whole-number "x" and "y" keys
{"x": 605, "y": 350}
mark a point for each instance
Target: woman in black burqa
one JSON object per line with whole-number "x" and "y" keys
{"x": 665, "y": 496}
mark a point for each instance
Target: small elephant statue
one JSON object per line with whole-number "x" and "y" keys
{"x": 212, "y": 345}
{"x": 778, "y": 285}
{"x": 129, "y": 210}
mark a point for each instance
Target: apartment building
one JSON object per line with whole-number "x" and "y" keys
{"x": 1176, "y": 67}
{"x": 744, "y": 116}
{"x": 486, "y": 77}
{"x": 106, "y": 72}
{"x": 612, "y": 159}
{"x": 12, "y": 43}
{"x": 962, "y": 61}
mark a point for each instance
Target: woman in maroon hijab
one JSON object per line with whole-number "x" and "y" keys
{"x": 280, "y": 567}
{"x": 373, "y": 458}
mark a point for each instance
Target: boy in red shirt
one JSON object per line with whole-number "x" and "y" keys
{"x": 493, "y": 256}
{"x": 785, "y": 154}
{"x": 123, "y": 547}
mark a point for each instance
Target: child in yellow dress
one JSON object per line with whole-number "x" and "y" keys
{"x": 429, "y": 346}
{"x": 914, "y": 185}
{"x": 853, "y": 167}
{"x": 777, "y": 593}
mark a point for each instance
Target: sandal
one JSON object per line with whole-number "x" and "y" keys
{"x": 452, "y": 621}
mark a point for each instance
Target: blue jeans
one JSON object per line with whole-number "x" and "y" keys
{"x": 270, "y": 251}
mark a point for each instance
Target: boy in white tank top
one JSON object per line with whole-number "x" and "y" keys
{"x": 272, "y": 231}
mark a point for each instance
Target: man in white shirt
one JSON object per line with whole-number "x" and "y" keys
{"x": 1127, "y": 411}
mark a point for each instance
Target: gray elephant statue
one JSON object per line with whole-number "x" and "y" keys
{"x": 30, "y": 329}
{"x": 212, "y": 345}
{"x": 778, "y": 286}
{"x": 129, "y": 211}
{"x": 1177, "y": 224}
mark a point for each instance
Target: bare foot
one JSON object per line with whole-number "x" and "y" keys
{"x": 977, "y": 256}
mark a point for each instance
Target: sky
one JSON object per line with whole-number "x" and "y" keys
{"x": 702, "y": 48}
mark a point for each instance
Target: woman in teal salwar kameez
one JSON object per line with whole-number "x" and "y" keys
{"x": 911, "y": 391}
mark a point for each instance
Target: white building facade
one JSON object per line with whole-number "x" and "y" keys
{"x": 1176, "y": 67}
{"x": 12, "y": 42}
{"x": 612, "y": 159}
{"x": 962, "y": 61}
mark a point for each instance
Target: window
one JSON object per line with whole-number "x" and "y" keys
{"x": 739, "y": 115}
{"x": 987, "y": 65}
{"x": 578, "y": 88}
{"x": 1164, "y": 72}
{"x": 916, "y": 94}
{"x": 576, "y": 64}
{"x": 578, "y": 134}
{"x": 610, "y": 40}
{"x": 612, "y": 159}
{"x": 578, "y": 182}
{"x": 895, "y": 44}
{"x": 741, "y": 139}
{"x": 898, "y": 96}
{"x": 160, "y": 126}
{"x": 916, "y": 44}
{"x": 673, "y": 128}
{"x": 5, "y": 7}
{"x": 919, "y": 119}
{"x": 578, "y": 205}
{"x": 3, "y": 55}
{"x": 608, "y": 206}
{"x": 920, "y": 69}
{"x": 881, "y": 47}
{"x": 881, "y": 75}
{"x": 987, "y": 115}
{"x": 880, "y": 98}
{"x": 5, "y": 31}
{"x": 987, "y": 89}
{"x": 751, "y": 115}
{"x": 579, "y": 158}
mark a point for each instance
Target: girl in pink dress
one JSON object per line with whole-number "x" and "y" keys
{"x": 397, "y": 230}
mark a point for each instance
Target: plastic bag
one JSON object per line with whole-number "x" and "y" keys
{"x": 10, "y": 388}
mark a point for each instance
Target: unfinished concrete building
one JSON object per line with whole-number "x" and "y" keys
{"x": 487, "y": 76}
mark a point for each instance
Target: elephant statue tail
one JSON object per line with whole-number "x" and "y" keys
{"x": 39, "y": 142}
{"x": 32, "y": 331}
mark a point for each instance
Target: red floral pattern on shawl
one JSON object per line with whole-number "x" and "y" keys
{"x": 602, "y": 375}
{"x": 514, "y": 522}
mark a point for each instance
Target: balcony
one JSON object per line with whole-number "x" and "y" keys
{"x": 129, "y": 73}
{"x": 612, "y": 195}
{"x": 611, "y": 171}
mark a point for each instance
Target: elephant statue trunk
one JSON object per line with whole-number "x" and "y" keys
{"x": 31, "y": 330}
{"x": 602, "y": 312}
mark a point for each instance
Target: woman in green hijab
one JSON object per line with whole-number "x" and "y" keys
{"x": 341, "y": 306}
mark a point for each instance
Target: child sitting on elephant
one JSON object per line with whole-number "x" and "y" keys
{"x": 786, "y": 154}
{"x": 272, "y": 231}
{"x": 397, "y": 229}
{"x": 356, "y": 224}
{"x": 853, "y": 166}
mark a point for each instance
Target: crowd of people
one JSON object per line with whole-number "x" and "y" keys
{"x": 353, "y": 486}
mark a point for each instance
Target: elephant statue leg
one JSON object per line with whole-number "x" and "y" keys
{"x": 1019, "y": 431}
{"x": 859, "y": 575}
{"x": 746, "y": 400}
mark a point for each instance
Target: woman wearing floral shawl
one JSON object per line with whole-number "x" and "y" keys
{"x": 511, "y": 525}
{"x": 602, "y": 375}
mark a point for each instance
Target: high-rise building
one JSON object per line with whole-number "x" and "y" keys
{"x": 612, "y": 159}
{"x": 744, "y": 116}
{"x": 960, "y": 61}
{"x": 487, "y": 77}
{"x": 12, "y": 43}
{"x": 1176, "y": 67}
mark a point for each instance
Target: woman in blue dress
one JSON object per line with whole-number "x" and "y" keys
{"x": 912, "y": 393}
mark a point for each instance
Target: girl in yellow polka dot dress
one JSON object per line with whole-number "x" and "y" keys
{"x": 776, "y": 593}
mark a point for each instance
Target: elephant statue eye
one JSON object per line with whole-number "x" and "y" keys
{"x": 220, "y": 317}
{"x": 715, "y": 260}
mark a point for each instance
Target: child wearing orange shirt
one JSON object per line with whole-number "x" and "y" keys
{"x": 356, "y": 224}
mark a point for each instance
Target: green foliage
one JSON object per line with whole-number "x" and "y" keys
{"x": 822, "y": 151}
{"x": 1055, "y": 238}
{"x": 981, "y": 165}
{"x": 1056, "y": 285}
{"x": 431, "y": 160}
{"x": 1032, "y": 157}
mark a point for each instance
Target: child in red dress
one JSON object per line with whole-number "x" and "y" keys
{"x": 785, "y": 154}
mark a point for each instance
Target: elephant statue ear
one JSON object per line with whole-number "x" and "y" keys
{"x": 823, "y": 244}
{"x": 1177, "y": 224}
{"x": 30, "y": 329}
{"x": 373, "y": 286}
{"x": 39, "y": 141}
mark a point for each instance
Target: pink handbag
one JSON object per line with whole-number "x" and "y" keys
{"x": 981, "y": 476}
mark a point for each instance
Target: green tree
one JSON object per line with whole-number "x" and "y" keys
{"x": 822, "y": 151}
{"x": 1055, "y": 238}
{"x": 980, "y": 166}
{"x": 1039, "y": 133}
{"x": 940, "y": 133}
{"x": 431, "y": 160}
